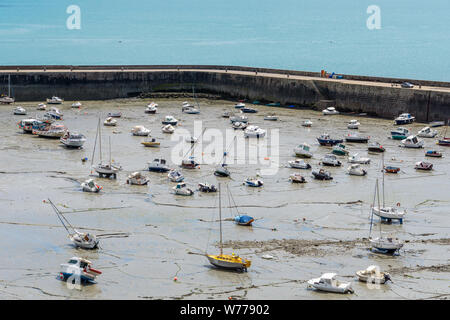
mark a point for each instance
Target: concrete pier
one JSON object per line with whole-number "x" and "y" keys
{"x": 382, "y": 97}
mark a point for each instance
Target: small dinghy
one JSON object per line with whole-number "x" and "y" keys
{"x": 376, "y": 147}
{"x": 328, "y": 282}
{"x": 239, "y": 105}
{"x": 248, "y": 110}
{"x": 239, "y": 125}
{"x": 353, "y": 124}
{"x": 239, "y": 118}
{"x": 357, "y": 159}
{"x": 76, "y": 104}
{"x": 411, "y": 142}
{"x": 116, "y": 114}
{"x": 404, "y": 118}
{"x": 20, "y": 111}
{"x": 399, "y": 133}
{"x": 297, "y": 178}
{"x": 391, "y": 169}
{"x": 373, "y": 275}
{"x": 205, "y": 187}
{"x": 271, "y": 117}
{"x": 54, "y": 113}
{"x": 90, "y": 186}
{"x": 299, "y": 164}
{"x": 158, "y": 165}
{"x": 73, "y": 139}
{"x": 136, "y": 178}
{"x": 227, "y": 114}
{"x": 175, "y": 176}
{"x": 331, "y": 160}
{"x": 254, "y": 132}
{"x": 307, "y": 123}
{"x": 356, "y": 138}
{"x": 356, "y": 170}
{"x": 244, "y": 220}
{"x": 303, "y": 150}
{"x": 170, "y": 120}
{"x": 330, "y": 111}
{"x": 253, "y": 182}
{"x": 427, "y": 132}
{"x": 110, "y": 122}
{"x": 168, "y": 129}
{"x": 41, "y": 106}
{"x": 151, "y": 108}
{"x": 78, "y": 269}
{"x": 55, "y": 100}
{"x": 140, "y": 131}
{"x": 151, "y": 143}
{"x": 422, "y": 165}
{"x": 321, "y": 175}
{"x": 433, "y": 153}
{"x": 53, "y": 131}
{"x": 182, "y": 190}
{"x": 326, "y": 140}
{"x": 340, "y": 150}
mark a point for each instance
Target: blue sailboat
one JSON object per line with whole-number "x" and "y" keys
{"x": 244, "y": 220}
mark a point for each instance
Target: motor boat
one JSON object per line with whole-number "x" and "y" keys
{"x": 444, "y": 142}
{"x": 19, "y": 111}
{"x": 356, "y": 170}
{"x": 76, "y": 104}
{"x": 404, "y": 118}
{"x": 54, "y": 131}
{"x": 136, "y": 178}
{"x": 355, "y": 158}
{"x": 170, "y": 120}
{"x": 321, "y": 175}
{"x": 427, "y": 132}
{"x": 6, "y": 99}
{"x": 303, "y": 150}
{"x": 253, "y": 182}
{"x": 116, "y": 114}
{"x": 239, "y": 118}
{"x": 373, "y": 275}
{"x": 411, "y": 142}
{"x": 433, "y": 153}
{"x": 307, "y": 123}
{"x": 110, "y": 122}
{"x": 55, "y": 100}
{"x": 248, "y": 110}
{"x": 78, "y": 269}
{"x": 26, "y": 125}
{"x": 168, "y": 129}
{"x": 328, "y": 282}
{"x": 299, "y": 164}
{"x": 41, "y": 106}
{"x": 297, "y": 178}
{"x": 353, "y": 124}
{"x": 391, "y": 169}
{"x": 189, "y": 163}
{"x": 140, "y": 131}
{"x": 339, "y": 150}
{"x": 271, "y": 117}
{"x": 175, "y": 176}
{"x": 53, "y": 113}
{"x": 244, "y": 220}
{"x": 331, "y": 160}
{"x": 399, "y": 133}
{"x": 182, "y": 190}
{"x": 158, "y": 165}
{"x": 90, "y": 186}
{"x": 239, "y": 105}
{"x": 376, "y": 147}
{"x": 205, "y": 187}
{"x": 387, "y": 244}
{"x": 422, "y": 165}
{"x": 73, "y": 139}
{"x": 326, "y": 140}
{"x": 152, "y": 143}
{"x": 356, "y": 138}
{"x": 254, "y": 132}
{"x": 227, "y": 114}
{"x": 330, "y": 111}
{"x": 151, "y": 108}
{"x": 239, "y": 125}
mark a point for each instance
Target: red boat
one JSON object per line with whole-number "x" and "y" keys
{"x": 433, "y": 153}
{"x": 390, "y": 169}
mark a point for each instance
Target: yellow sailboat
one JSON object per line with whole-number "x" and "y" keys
{"x": 227, "y": 261}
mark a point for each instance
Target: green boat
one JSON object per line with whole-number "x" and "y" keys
{"x": 398, "y": 137}
{"x": 273, "y": 104}
{"x": 256, "y": 102}
{"x": 399, "y": 133}
{"x": 340, "y": 150}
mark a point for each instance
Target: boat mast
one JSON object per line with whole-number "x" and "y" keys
{"x": 100, "y": 139}
{"x": 373, "y": 205}
{"x": 378, "y": 197}
{"x": 382, "y": 172}
{"x": 95, "y": 143}
{"x": 9, "y": 85}
{"x": 220, "y": 221}
{"x": 110, "y": 165}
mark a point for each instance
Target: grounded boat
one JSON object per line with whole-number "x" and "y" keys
{"x": 175, "y": 176}
{"x": 26, "y": 125}
{"x": 239, "y": 105}
{"x": 433, "y": 153}
{"x": 422, "y": 165}
{"x": 436, "y": 124}
{"x": 168, "y": 129}
{"x": 227, "y": 114}
{"x": 54, "y": 113}
{"x": 326, "y": 140}
{"x": 76, "y": 104}
{"x": 297, "y": 178}
{"x": 116, "y": 114}
{"x": 239, "y": 118}
{"x": 253, "y": 182}
{"x": 357, "y": 159}
{"x": 427, "y": 132}
{"x": 54, "y": 131}
{"x": 330, "y": 111}
{"x": 55, "y": 100}
{"x": 399, "y": 133}
{"x": 90, "y": 186}
{"x": 340, "y": 150}
{"x": 328, "y": 282}
{"x": 321, "y": 175}
{"x": 140, "y": 131}
{"x": 191, "y": 110}
{"x": 356, "y": 138}
{"x": 170, "y": 120}
{"x": 244, "y": 220}
{"x": 110, "y": 122}
{"x": 373, "y": 275}
{"x": 444, "y": 142}
{"x": 254, "y": 132}
{"x": 73, "y": 139}
{"x": 158, "y": 165}
{"x": 356, "y": 170}
{"x": 189, "y": 163}
{"x": 19, "y": 111}
{"x": 41, "y": 106}
{"x": 136, "y": 178}
{"x": 78, "y": 269}
{"x": 376, "y": 147}
{"x": 271, "y": 117}
{"x": 411, "y": 142}
{"x": 205, "y": 187}
{"x": 299, "y": 164}
{"x": 239, "y": 125}
{"x": 331, "y": 160}
{"x": 151, "y": 108}
{"x": 248, "y": 110}
{"x": 404, "y": 118}
{"x": 152, "y": 143}
{"x": 303, "y": 150}
{"x": 307, "y": 123}
{"x": 221, "y": 170}
{"x": 391, "y": 169}
{"x": 7, "y": 99}
{"x": 182, "y": 190}
{"x": 353, "y": 124}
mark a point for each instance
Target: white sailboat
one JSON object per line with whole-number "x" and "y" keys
{"x": 7, "y": 99}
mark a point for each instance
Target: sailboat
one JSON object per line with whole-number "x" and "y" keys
{"x": 384, "y": 244}
{"x": 188, "y": 108}
{"x": 79, "y": 239}
{"x": 221, "y": 170}
{"x": 104, "y": 169}
{"x": 240, "y": 219}
{"x": 445, "y": 141}
{"x": 226, "y": 261}
{"x": 190, "y": 163}
{"x": 7, "y": 99}
{"x": 388, "y": 213}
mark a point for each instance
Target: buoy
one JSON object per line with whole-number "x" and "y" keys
{"x": 266, "y": 158}
{"x": 175, "y": 279}
{"x": 398, "y": 204}
{"x": 230, "y": 298}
